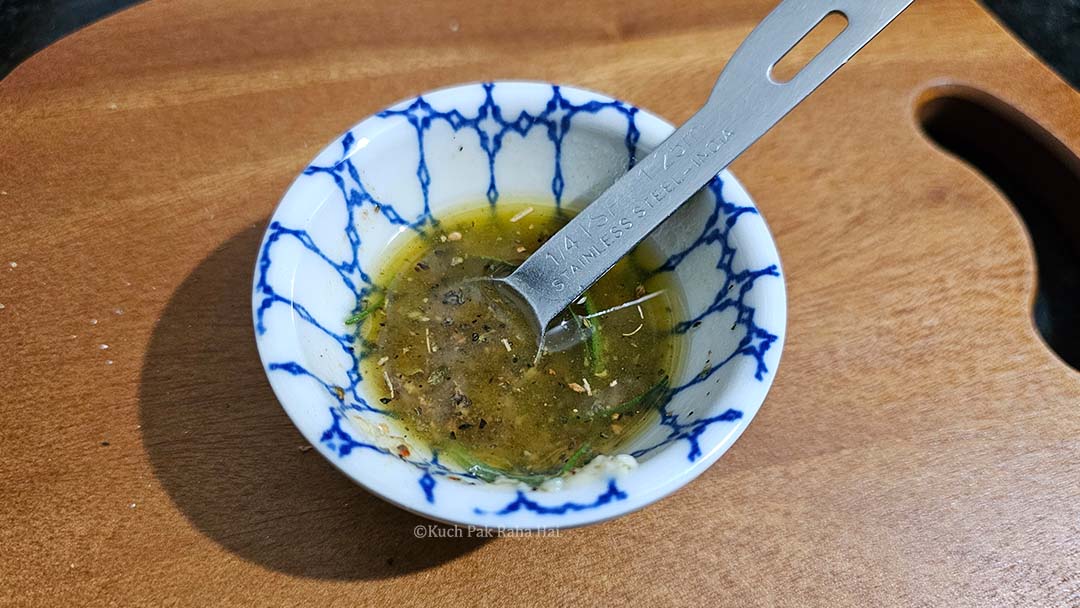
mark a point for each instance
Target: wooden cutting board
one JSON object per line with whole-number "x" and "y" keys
{"x": 921, "y": 446}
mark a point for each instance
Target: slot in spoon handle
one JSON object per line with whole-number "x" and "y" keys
{"x": 744, "y": 104}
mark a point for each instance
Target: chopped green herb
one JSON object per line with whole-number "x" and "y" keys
{"x": 596, "y": 345}
{"x": 644, "y": 401}
{"x": 572, "y": 462}
{"x": 369, "y": 306}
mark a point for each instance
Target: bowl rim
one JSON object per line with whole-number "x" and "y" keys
{"x": 666, "y": 479}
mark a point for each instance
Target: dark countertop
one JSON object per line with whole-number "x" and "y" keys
{"x": 1050, "y": 27}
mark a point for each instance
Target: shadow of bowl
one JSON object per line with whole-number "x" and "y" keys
{"x": 232, "y": 461}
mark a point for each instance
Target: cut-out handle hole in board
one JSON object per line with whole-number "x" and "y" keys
{"x": 1039, "y": 176}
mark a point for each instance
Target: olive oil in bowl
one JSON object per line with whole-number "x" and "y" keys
{"x": 459, "y": 369}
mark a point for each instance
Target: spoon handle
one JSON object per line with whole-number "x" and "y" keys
{"x": 745, "y": 103}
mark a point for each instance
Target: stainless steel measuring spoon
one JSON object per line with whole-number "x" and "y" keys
{"x": 745, "y": 103}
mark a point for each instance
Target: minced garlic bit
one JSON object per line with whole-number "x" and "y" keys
{"x": 614, "y": 383}
{"x": 389, "y": 384}
{"x": 383, "y": 360}
{"x": 520, "y": 249}
{"x": 506, "y": 343}
{"x": 454, "y": 261}
{"x": 521, "y": 214}
{"x": 585, "y": 384}
{"x": 454, "y": 236}
{"x": 577, "y": 388}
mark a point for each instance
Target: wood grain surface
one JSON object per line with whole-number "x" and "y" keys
{"x": 921, "y": 447}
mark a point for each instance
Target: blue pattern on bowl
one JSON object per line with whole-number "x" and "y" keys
{"x": 487, "y": 120}
{"x": 491, "y": 127}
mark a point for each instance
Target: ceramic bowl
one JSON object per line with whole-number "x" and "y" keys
{"x": 479, "y": 144}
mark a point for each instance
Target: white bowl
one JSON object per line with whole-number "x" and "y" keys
{"x": 478, "y": 143}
